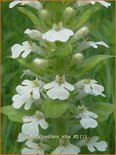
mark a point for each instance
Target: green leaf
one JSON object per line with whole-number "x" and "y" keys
{"x": 55, "y": 9}
{"x": 83, "y": 18}
{"x": 103, "y": 110}
{"x": 54, "y": 109}
{"x": 91, "y": 62}
{"x": 15, "y": 115}
{"x": 36, "y": 21}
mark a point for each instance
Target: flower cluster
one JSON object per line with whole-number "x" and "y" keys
{"x": 51, "y": 47}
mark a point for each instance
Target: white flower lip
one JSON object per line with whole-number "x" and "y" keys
{"x": 86, "y": 44}
{"x": 93, "y": 144}
{"x": 67, "y": 149}
{"x": 27, "y": 93}
{"x": 89, "y": 86}
{"x": 58, "y": 90}
{"x": 34, "y": 34}
{"x": 104, "y": 3}
{"x": 19, "y": 100}
{"x": 31, "y": 124}
{"x": 87, "y": 118}
{"x": 23, "y": 137}
{"x": 24, "y": 50}
{"x": 33, "y": 148}
{"x": 62, "y": 35}
{"x": 36, "y": 4}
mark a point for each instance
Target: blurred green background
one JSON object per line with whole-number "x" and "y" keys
{"x": 14, "y": 24}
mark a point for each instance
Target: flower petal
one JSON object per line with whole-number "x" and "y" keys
{"x": 88, "y": 123}
{"x": 68, "y": 86}
{"x": 92, "y": 2}
{"x": 87, "y": 88}
{"x": 27, "y": 47}
{"x": 91, "y": 114}
{"x": 31, "y": 129}
{"x": 34, "y": 34}
{"x": 36, "y": 93}
{"x": 102, "y": 43}
{"x": 50, "y": 85}
{"x": 35, "y": 4}
{"x": 26, "y": 53}
{"x": 93, "y": 44}
{"x": 31, "y": 144}
{"x": 58, "y": 150}
{"x": 12, "y": 4}
{"x": 97, "y": 89}
{"x": 24, "y": 91}
{"x": 61, "y": 35}
{"x": 64, "y": 35}
{"x": 27, "y": 83}
{"x": 16, "y": 50}
{"x": 29, "y": 151}
{"x": 22, "y": 137}
{"x": 28, "y": 104}
{"x": 43, "y": 123}
{"x": 101, "y": 146}
{"x": 58, "y": 92}
{"x": 106, "y": 4}
{"x": 49, "y": 36}
{"x": 17, "y": 101}
{"x": 90, "y": 147}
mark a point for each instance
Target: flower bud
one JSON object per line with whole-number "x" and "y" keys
{"x": 68, "y": 11}
{"x": 81, "y": 33}
{"x": 78, "y": 57}
{"x": 68, "y": 14}
{"x": 40, "y": 62}
{"x": 44, "y": 14}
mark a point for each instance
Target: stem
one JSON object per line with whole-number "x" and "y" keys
{"x": 60, "y": 127}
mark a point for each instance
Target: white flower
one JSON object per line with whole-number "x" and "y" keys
{"x": 34, "y": 34}
{"x": 93, "y": 144}
{"x": 25, "y": 49}
{"x": 27, "y": 93}
{"x": 58, "y": 89}
{"x": 58, "y": 33}
{"x": 104, "y": 3}
{"x": 31, "y": 123}
{"x": 87, "y": 118}
{"x": 86, "y": 44}
{"x": 66, "y": 147}
{"x": 22, "y": 137}
{"x": 88, "y": 86}
{"x": 19, "y": 100}
{"x": 33, "y": 148}
{"x": 84, "y": 3}
{"x": 37, "y": 5}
